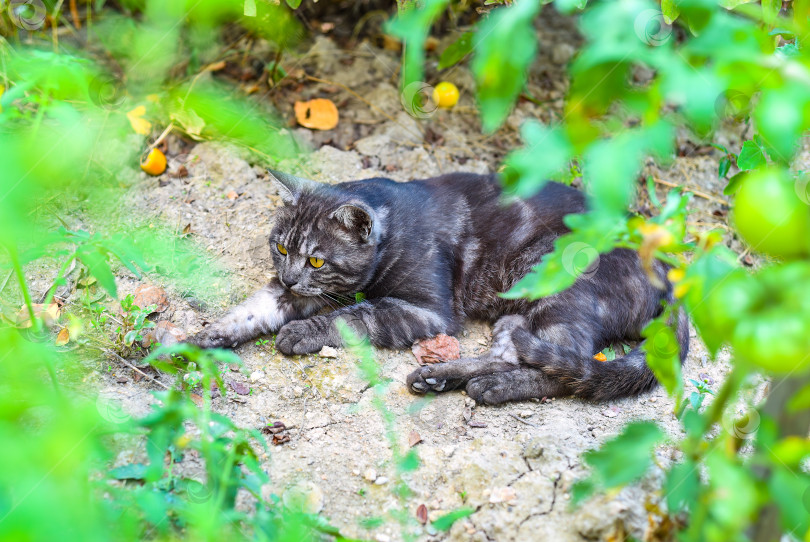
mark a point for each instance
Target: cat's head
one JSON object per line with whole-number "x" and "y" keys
{"x": 324, "y": 240}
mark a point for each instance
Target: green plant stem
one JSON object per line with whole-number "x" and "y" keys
{"x": 715, "y": 411}
{"x": 790, "y": 424}
{"x": 15, "y": 262}
{"x": 59, "y": 276}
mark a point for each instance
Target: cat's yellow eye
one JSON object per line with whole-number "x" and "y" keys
{"x": 315, "y": 262}
{"x": 281, "y": 249}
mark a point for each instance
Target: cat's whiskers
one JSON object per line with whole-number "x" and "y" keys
{"x": 326, "y": 299}
{"x": 341, "y": 298}
{"x": 336, "y": 298}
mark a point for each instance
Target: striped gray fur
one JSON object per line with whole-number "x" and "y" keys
{"x": 429, "y": 255}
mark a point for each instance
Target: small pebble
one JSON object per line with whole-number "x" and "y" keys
{"x": 370, "y": 475}
{"x": 328, "y": 352}
{"x": 381, "y": 481}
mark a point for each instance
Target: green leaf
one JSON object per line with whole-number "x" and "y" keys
{"x": 718, "y": 291}
{"x": 723, "y": 167}
{"x": 456, "y": 51}
{"x": 412, "y": 25}
{"x": 670, "y": 11}
{"x": 751, "y": 156}
{"x": 132, "y": 471}
{"x": 622, "y": 459}
{"x": 734, "y": 183}
{"x": 98, "y": 266}
{"x": 575, "y": 254}
{"x": 410, "y": 461}
{"x": 791, "y": 492}
{"x": 734, "y": 482}
{"x": 525, "y": 175}
{"x": 781, "y": 118}
{"x": 446, "y": 521}
{"x": 800, "y": 400}
{"x": 566, "y": 7}
{"x": 505, "y": 45}
{"x": 611, "y": 165}
{"x": 372, "y": 522}
{"x": 663, "y": 354}
{"x": 682, "y": 485}
{"x": 293, "y": 3}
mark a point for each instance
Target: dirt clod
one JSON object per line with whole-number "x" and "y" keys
{"x": 147, "y": 295}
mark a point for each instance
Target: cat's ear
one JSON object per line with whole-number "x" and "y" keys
{"x": 289, "y": 186}
{"x": 356, "y": 217}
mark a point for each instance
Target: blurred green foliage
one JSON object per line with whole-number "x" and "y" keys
{"x": 704, "y": 64}
{"x": 77, "y": 109}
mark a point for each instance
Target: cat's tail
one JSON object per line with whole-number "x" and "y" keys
{"x": 597, "y": 380}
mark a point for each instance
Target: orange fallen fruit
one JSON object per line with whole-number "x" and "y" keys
{"x": 154, "y": 163}
{"x": 600, "y": 357}
{"x": 445, "y": 94}
{"x": 318, "y": 114}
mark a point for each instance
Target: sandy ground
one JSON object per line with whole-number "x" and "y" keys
{"x": 515, "y": 464}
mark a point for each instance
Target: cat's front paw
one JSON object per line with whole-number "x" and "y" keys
{"x": 304, "y": 336}
{"x": 212, "y": 336}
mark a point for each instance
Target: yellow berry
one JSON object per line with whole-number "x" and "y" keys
{"x": 676, "y": 275}
{"x": 154, "y": 163}
{"x": 445, "y": 94}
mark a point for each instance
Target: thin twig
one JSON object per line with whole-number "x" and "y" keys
{"x": 128, "y": 364}
{"x": 698, "y": 193}
{"x": 518, "y": 418}
{"x": 162, "y": 136}
{"x": 5, "y": 282}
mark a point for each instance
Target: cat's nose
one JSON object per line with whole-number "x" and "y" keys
{"x": 288, "y": 283}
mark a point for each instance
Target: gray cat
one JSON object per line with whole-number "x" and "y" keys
{"x": 429, "y": 255}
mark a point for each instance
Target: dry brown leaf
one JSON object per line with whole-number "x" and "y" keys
{"x": 187, "y": 229}
{"x": 215, "y": 67}
{"x": 414, "y": 439}
{"x": 63, "y": 337}
{"x": 318, "y": 114}
{"x": 164, "y": 333}
{"x": 422, "y": 514}
{"x": 437, "y": 349}
{"x": 139, "y": 124}
{"x": 49, "y": 314}
{"x": 391, "y": 44}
